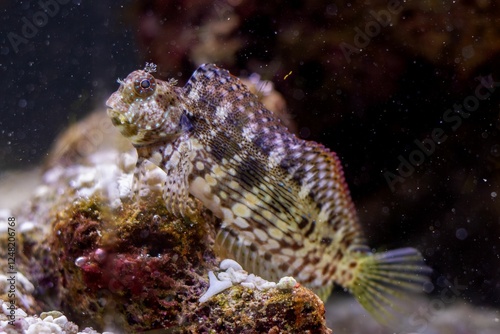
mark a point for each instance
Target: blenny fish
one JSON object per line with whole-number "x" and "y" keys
{"x": 285, "y": 207}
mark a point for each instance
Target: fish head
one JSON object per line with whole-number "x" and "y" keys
{"x": 147, "y": 110}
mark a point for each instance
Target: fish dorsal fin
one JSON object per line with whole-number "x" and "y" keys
{"x": 217, "y": 88}
{"x": 215, "y": 85}
{"x": 319, "y": 173}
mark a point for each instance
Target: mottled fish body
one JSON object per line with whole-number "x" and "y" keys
{"x": 283, "y": 201}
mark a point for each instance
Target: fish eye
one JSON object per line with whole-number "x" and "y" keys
{"x": 145, "y": 86}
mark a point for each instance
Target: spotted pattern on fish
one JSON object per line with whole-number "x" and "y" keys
{"x": 283, "y": 201}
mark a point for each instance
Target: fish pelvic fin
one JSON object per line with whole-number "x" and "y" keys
{"x": 324, "y": 292}
{"x": 384, "y": 284}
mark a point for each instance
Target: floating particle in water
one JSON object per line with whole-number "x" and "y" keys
{"x": 495, "y": 150}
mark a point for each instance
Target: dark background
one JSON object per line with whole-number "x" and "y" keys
{"x": 370, "y": 110}
{"x": 67, "y": 68}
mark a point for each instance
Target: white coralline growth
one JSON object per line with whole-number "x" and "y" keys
{"x": 52, "y": 322}
{"x": 216, "y": 286}
{"x": 233, "y": 274}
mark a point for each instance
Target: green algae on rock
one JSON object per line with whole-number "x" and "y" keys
{"x": 137, "y": 267}
{"x": 271, "y": 311}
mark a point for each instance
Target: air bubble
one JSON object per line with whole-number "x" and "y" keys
{"x": 461, "y": 234}
{"x": 80, "y": 262}
{"x": 495, "y": 150}
{"x": 22, "y": 103}
{"x": 100, "y": 255}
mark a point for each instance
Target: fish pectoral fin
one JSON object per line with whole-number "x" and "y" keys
{"x": 170, "y": 179}
{"x": 384, "y": 283}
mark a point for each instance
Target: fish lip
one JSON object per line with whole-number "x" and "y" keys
{"x": 109, "y": 103}
{"x": 113, "y": 106}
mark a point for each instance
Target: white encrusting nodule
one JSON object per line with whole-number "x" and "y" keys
{"x": 286, "y": 283}
{"x": 228, "y": 263}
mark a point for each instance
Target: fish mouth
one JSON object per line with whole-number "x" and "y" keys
{"x": 128, "y": 129}
{"x": 116, "y": 117}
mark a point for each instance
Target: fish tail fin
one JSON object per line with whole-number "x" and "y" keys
{"x": 384, "y": 282}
